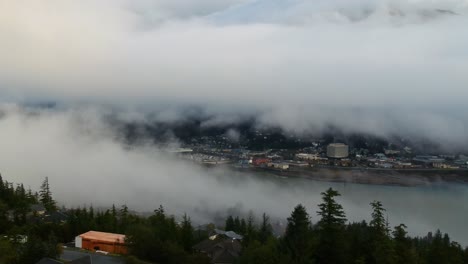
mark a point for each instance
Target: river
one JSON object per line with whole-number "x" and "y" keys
{"x": 423, "y": 209}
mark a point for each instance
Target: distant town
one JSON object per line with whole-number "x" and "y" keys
{"x": 216, "y": 150}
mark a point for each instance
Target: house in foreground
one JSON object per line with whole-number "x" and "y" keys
{"x": 221, "y": 248}
{"x": 101, "y": 241}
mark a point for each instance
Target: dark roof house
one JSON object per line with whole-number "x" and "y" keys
{"x": 39, "y": 208}
{"x": 55, "y": 217}
{"x": 221, "y": 250}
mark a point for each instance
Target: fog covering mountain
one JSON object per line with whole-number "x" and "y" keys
{"x": 381, "y": 67}
{"x": 88, "y": 163}
{"x": 249, "y": 132}
{"x": 341, "y": 11}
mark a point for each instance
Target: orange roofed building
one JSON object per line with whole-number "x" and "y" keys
{"x": 109, "y": 242}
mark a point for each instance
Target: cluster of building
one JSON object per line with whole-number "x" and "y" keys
{"x": 330, "y": 155}
{"x": 380, "y": 160}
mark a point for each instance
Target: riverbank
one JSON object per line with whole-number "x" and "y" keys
{"x": 403, "y": 177}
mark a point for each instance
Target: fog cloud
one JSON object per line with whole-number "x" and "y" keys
{"x": 87, "y": 164}
{"x": 302, "y": 64}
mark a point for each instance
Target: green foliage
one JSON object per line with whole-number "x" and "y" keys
{"x": 15, "y": 250}
{"x": 160, "y": 239}
{"x": 46, "y": 196}
{"x": 7, "y": 251}
{"x": 257, "y": 252}
{"x": 331, "y": 227}
{"x": 404, "y": 253}
{"x": 186, "y": 233}
{"x": 265, "y": 231}
{"x": 382, "y": 245}
{"x": 230, "y": 225}
{"x": 297, "y": 241}
{"x": 236, "y": 224}
{"x": 251, "y": 232}
{"x": 332, "y": 214}
{"x": 378, "y": 222}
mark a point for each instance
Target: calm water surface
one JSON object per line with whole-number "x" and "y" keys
{"x": 441, "y": 206}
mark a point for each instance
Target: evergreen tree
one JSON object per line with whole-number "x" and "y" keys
{"x": 465, "y": 255}
{"x": 404, "y": 251}
{"x": 2, "y": 188}
{"x": 297, "y": 239}
{"x": 187, "y": 233}
{"x": 250, "y": 232}
{"x": 46, "y": 196}
{"x": 237, "y": 224}
{"x": 114, "y": 218}
{"x": 36, "y": 248}
{"x": 261, "y": 253}
{"x": 229, "y": 226}
{"x": 243, "y": 227}
{"x": 331, "y": 248}
{"x": 378, "y": 222}
{"x": 123, "y": 218}
{"x": 359, "y": 242}
{"x": 20, "y": 192}
{"x": 333, "y": 216}
{"x": 265, "y": 230}
{"x": 4, "y": 223}
{"x": 382, "y": 248}
{"x": 442, "y": 250}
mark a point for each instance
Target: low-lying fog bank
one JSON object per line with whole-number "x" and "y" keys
{"x": 87, "y": 165}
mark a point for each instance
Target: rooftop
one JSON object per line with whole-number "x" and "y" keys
{"x": 102, "y": 236}
{"x": 337, "y": 145}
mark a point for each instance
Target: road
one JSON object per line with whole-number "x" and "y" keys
{"x": 72, "y": 254}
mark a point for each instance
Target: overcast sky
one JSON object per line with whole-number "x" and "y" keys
{"x": 371, "y": 66}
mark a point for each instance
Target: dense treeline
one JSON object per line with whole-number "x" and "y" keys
{"x": 332, "y": 240}
{"x": 23, "y": 240}
{"x": 160, "y": 238}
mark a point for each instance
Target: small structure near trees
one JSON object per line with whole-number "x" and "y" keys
{"x": 101, "y": 241}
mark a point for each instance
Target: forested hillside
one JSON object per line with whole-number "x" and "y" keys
{"x": 28, "y": 234}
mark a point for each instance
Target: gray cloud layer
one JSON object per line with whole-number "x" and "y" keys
{"x": 401, "y": 64}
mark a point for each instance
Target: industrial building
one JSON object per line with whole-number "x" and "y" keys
{"x": 427, "y": 160}
{"x": 307, "y": 156}
{"x": 108, "y": 242}
{"x": 337, "y": 151}
{"x": 260, "y": 161}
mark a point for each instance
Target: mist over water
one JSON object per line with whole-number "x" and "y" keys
{"x": 423, "y": 209}
{"x": 87, "y": 164}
